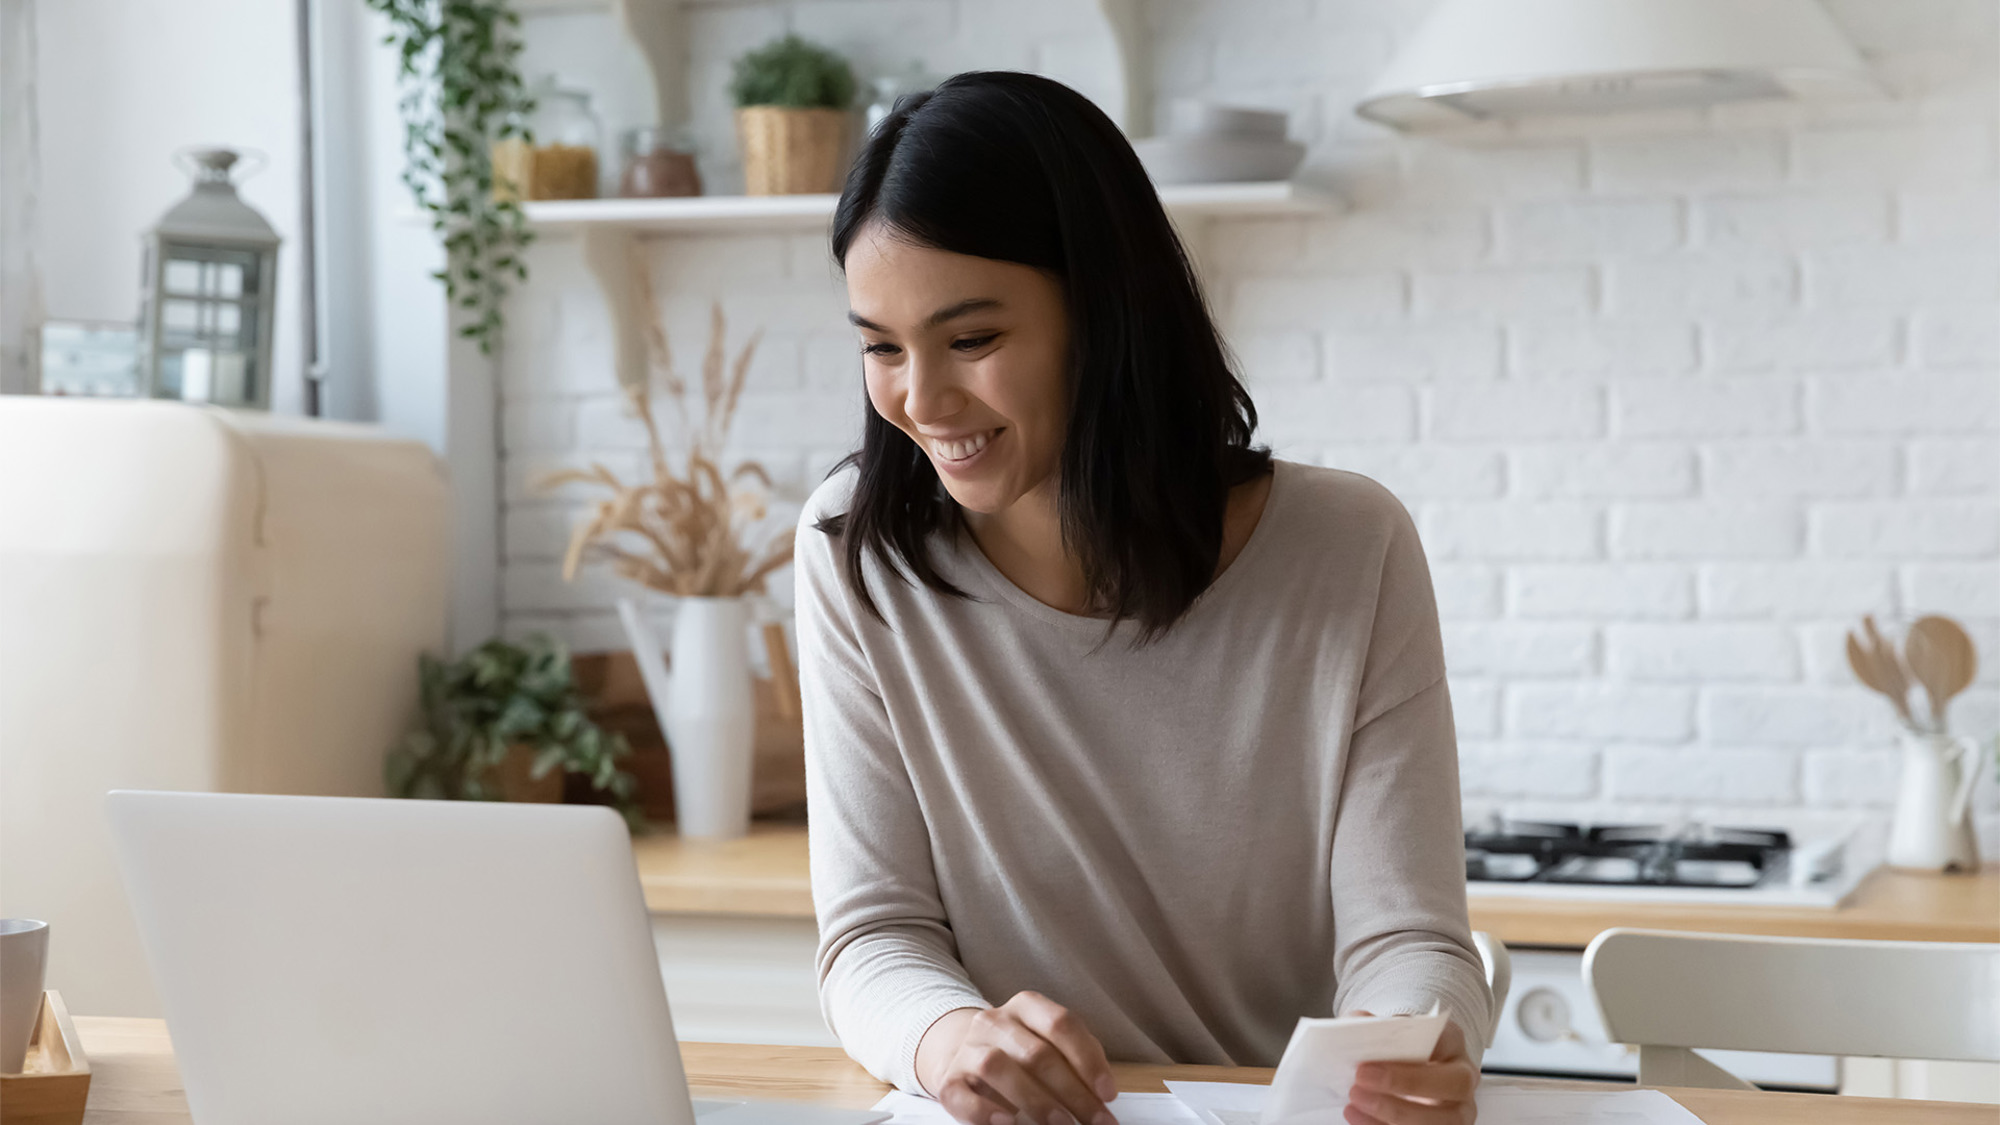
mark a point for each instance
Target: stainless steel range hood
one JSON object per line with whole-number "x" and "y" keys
{"x": 1480, "y": 59}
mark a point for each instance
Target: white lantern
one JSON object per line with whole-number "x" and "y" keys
{"x": 210, "y": 274}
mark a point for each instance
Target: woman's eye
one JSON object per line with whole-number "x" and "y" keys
{"x": 974, "y": 343}
{"x": 879, "y": 349}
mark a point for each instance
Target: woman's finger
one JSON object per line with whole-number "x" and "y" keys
{"x": 1357, "y": 1116}
{"x": 1047, "y": 1064}
{"x": 995, "y": 1066}
{"x": 1443, "y": 1082}
{"x": 1066, "y": 1031}
{"x": 1450, "y": 1044}
{"x": 967, "y": 1102}
{"x": 1392, "y": 1110}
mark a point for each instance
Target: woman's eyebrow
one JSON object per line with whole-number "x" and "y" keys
{"x": 949, "y": 312}
{"x": 969, "y": 305}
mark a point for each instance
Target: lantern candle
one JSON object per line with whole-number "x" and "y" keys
{"x": 211, "y": 271}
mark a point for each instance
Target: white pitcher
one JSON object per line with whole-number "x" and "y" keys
{"x": 706, "y": 709}
{"x": 1932, "y": 830}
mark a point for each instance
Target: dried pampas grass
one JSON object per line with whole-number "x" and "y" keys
{"x": 684, "y": 533}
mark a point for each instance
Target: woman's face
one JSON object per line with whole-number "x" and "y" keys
{"x": 969, "y": 356}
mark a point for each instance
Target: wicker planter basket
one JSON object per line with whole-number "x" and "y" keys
{"x": 789, "y": 151}
{"x": 515, "y": 780}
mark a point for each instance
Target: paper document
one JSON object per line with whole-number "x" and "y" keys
{"x": 1317, "y": 1068}
{"x": 1235, "y": 1103}
{"x": 1129, "y": 1109}
{"x": 1223, "y": 1103}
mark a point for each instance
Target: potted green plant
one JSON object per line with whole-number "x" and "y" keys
{"x": 506, "y": 722}
{"x": 461, "y": 91}
{"x": 793, "y": 102}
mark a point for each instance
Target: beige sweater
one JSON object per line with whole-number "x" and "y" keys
{"x": 1190, "y": 844}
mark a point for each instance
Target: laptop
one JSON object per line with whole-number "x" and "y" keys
{"x": 341, "y": 960}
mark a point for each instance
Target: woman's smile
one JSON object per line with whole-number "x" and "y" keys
{"x": 957, "y": 453}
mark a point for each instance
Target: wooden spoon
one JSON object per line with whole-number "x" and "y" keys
{"x": 1942, "y": 658}
{"x": 1875, "y": 664}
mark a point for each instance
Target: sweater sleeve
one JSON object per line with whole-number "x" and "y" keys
{"x": 1402, "y": 939}
{"x": 887, "y": 963}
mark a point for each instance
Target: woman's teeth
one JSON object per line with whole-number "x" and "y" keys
{"x": 961, "y": 448}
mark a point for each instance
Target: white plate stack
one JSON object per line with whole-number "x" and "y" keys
{"x": 1207, "y": 143}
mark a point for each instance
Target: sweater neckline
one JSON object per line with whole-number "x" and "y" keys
{"x": 1253, "y": 547}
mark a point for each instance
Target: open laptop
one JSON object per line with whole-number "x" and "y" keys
{"x": 343, "y": 960}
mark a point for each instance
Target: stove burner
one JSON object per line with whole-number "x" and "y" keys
{"x": 1626, "y": 855}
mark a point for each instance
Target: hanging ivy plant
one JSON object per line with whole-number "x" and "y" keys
{"x": 461, "y": 92}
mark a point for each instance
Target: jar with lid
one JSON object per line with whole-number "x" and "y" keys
{"x": 657, "y": 162}
{"x": 561, "y": 160}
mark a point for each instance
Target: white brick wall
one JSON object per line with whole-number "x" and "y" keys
{"x": 1673, "y": 398}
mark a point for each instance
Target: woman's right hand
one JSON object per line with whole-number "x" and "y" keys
{"x": 1029, "y": 1057}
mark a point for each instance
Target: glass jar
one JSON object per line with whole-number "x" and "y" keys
{"x": 657, "y": 163}
{"x": 561, "y": 162}
{"x": 884, "y": 90}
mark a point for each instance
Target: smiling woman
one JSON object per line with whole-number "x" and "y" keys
{"x": 1123, "y": 741}
{"x": 1005, "y": 251}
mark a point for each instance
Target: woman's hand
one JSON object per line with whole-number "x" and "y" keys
{"x": 1438, "y": 1092}
{"x": 1027, "y": 1062}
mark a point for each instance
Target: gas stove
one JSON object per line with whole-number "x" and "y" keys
{"x": 1655, "y": 863}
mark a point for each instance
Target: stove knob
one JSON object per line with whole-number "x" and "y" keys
{"x": 1544, "y": 1016}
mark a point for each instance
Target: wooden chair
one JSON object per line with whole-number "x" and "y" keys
{"x": 1499, "y": 973}
{"x": 1669, "y": 993}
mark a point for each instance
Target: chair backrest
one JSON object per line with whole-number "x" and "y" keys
{"x": 1669, "y": 992}
{"x": 1499, "y": 974}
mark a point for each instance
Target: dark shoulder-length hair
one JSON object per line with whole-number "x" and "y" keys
{"x": 1020, "y": 168}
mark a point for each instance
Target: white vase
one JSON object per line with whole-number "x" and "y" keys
{"x": 705, "y": 708}
{"x": 1932, "y": 827}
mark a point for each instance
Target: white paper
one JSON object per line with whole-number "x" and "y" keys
{"x": 1237, "y": 1103}
{"x": 1223, "y": 1103}
{"x": 1129, "y": 1109}
{"x": 1317, "y": 1068}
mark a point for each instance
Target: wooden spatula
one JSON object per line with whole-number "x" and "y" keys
{"x": 1942, "y": 658}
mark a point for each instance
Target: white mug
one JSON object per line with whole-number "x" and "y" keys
{"x": 24, "y": 957}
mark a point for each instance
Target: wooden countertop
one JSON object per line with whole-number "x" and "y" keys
{"x": 765, "y": 875}
{"x": 1887, "y": 906}
{"x": 134, "y": 1082}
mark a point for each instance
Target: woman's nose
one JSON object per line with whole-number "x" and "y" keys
{"x": 932, "y": 393}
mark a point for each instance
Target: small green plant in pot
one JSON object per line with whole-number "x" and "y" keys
{"x": 793, "y": 106}
{"x": 506, "y": 722}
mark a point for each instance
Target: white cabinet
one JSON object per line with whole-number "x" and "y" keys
{"x": 741, "y": 979}
{"x": 1916, "y": 1078}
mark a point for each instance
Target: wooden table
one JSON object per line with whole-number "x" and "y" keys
{"x": 134, "y": 1082}
{"x": 764, "y": 875}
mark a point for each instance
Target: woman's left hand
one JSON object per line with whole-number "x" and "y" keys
{"x": 1438, "y": 1092}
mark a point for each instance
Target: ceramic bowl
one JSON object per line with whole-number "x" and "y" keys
{"x": 1191, "y": 116}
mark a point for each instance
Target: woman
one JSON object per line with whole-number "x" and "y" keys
{"x": 1123, "y": 740}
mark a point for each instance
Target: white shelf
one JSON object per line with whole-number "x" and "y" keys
{"x": 693, "y": 213}
{"x": 812, "y": 212}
